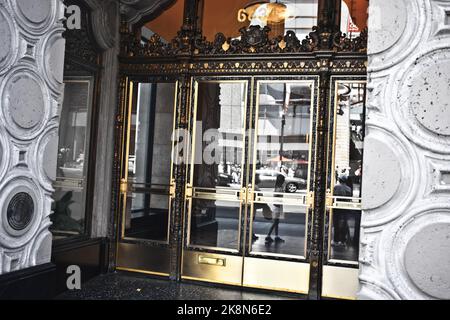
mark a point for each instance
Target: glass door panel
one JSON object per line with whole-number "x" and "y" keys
{"x": 282, "y": 154}
{"x": 73, "y": 153}
{"x": 248, "y": 194}
{"x": 149, "y": 162}
{"x": 215, "y": 194}
{"x": 279, "y": 197}
{"x": 218, "y": 170}
{"x": 343, "y": 216}
{"x": 147, "y": 182}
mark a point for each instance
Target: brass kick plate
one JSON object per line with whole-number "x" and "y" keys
{"x": 212, "y": 261}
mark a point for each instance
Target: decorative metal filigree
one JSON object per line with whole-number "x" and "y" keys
{"x": 253, "y": 40}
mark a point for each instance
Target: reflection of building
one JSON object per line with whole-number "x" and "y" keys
{"x": 122, "y": 204}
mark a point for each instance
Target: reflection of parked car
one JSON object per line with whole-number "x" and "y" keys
{"x": 224, "y": 180}
{"x": 268, "y": 178}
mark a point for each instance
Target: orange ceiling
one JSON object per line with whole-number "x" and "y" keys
{"x": 221, "y": 16}
{"x": 358, "y": 10}
{"x": 169, "y": 22}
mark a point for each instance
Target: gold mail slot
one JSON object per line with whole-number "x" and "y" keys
{"x": 212, "y": 261}
{"x": 347, "y": 205}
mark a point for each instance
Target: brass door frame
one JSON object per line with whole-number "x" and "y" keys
{"x": 307, "y": 199}
{"x": 325, "y": 53}
{"x": 220, "y": 255}
{"x": 134, "y": 254}
{"x": 193, "y": 192}
{"x": 197, "y": 260}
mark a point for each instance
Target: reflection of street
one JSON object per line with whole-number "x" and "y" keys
{"x": 270, "y": 190}
{"x": 291, "y": 228}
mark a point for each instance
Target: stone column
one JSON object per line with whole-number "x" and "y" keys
{"x": 31, "y": 73}
{"x": 405, "y": 249}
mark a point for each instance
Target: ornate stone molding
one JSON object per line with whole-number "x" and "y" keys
{"x": 136, "y": 10}
{"x": 102, "y": 13}
{"x": 30, "y": 77}
{"x": 406, "y": 222}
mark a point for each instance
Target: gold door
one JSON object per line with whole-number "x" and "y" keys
{"x": 216, "y": 190}
{"x": 147, "y": 183}
{"x": 344, "y": 187}
{"x": 249, "y": 196}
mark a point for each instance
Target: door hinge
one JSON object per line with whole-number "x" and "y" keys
{"x": 329, "y": 200}
{"x": 189, "y": 191}
{"x": 243, "y": 195}
{"x": 123, "y": 186}
{"x": 310, "y": 200}
{"x": 172, "y": 189}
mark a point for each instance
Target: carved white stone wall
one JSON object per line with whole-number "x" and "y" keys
{"x": 405, "y": 249}
{"x": 31, "y": 72}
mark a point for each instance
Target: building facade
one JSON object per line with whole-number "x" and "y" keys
{"x": 199, "y": 141}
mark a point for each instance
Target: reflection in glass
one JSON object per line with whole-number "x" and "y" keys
{"x": 345, "y": 235}
{"x": 282, "y": 164}
{"x": 348, "y": 156}
{"x": 68, "y": 216}
{"x": 279, "y": 229}
{"x": 219, "y": 134}
{"x": 215, "y": 224}
{"x": 149, "y": 161}
{"x": 218, "y": 145}
{"x": 283, "y": 135}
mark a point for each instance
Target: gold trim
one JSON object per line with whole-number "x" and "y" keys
{"x": 211, "y": 281}
{"x": 275, "y": 289}
{"x": 212, "y": 261}
{"x": 143, "y": 271}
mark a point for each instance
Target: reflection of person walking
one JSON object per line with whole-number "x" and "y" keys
{"x": 277, "y": 212}
{"x": 341, "y": 216}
